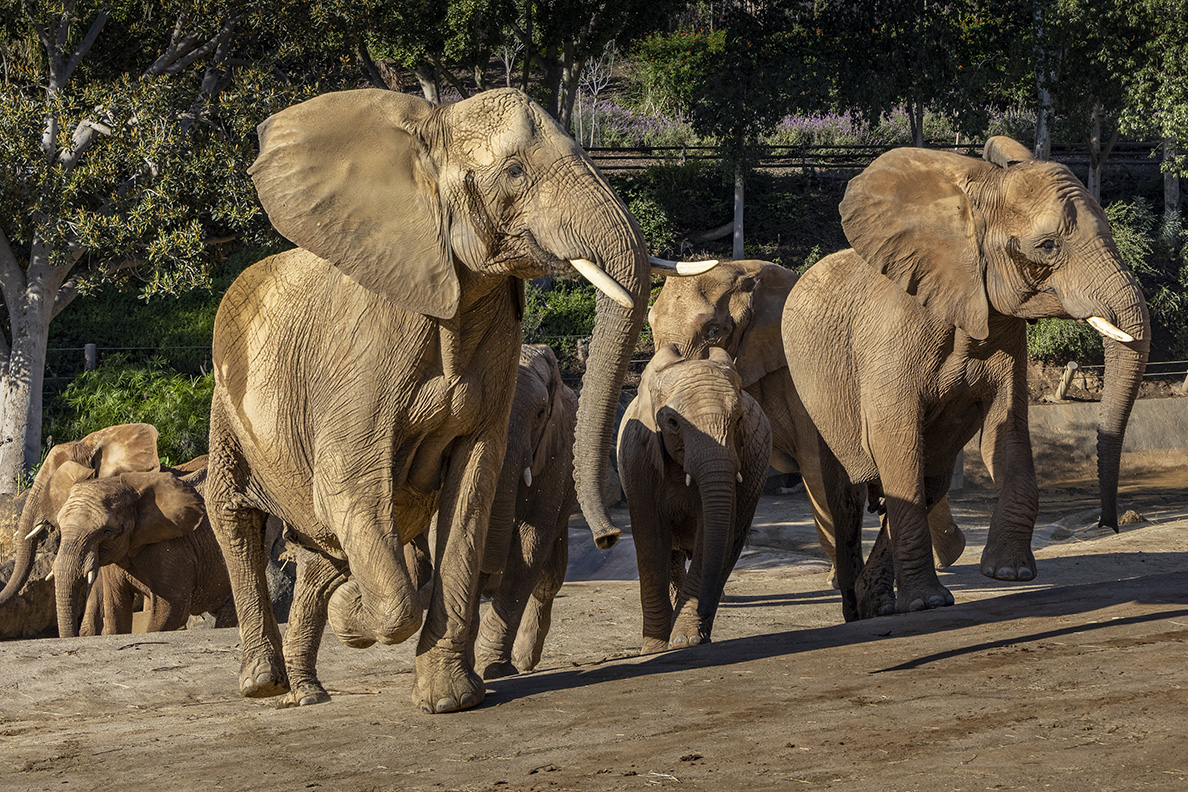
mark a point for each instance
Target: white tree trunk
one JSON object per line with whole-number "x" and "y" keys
{"x": 1093, "y": 183}
{"x": 1044, "y": 77}
{"x": 738, "y": 213}
{"x": 1171, "y": 186}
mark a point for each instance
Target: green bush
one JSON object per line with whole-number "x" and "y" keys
{"x": 1058, "y": 341}
{"x": 669, "y": 66}
{"x": 120, "y": 392}
{"x": 560, "y": 317}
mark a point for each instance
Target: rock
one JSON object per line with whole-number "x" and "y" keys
{"x": 32, "y": 613}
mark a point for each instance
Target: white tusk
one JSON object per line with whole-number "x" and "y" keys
{"x": 90, "y": 577}
{"x": 738, "y": 477}
{"x": 527, "y": 477}
{"x": 1108, "y": 330}
{"x": 608, "y": 285}
{"x": 40, "y": 527}
{"x": 688, "y": 479}
{"x": 665, "y": 267}
{"x": 50, "y": 576}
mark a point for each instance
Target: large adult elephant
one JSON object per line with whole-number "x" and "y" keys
{"x": 903, "y": 347}
{"x": 124, "y": 448}
{"x": 364, "y": 380}
{"x": 738, "y": 306}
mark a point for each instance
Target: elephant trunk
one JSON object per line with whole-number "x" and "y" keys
{"x": 71, "y": 567}
{"x": 379, "y": 601}
{"x": 1125, "y": 363}
{"x": 616, "y": 329}
{"x": 715, "y": 474}
{"x": 26, "y": 546}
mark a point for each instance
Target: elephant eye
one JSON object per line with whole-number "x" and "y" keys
{"x": 1048, "y": 245}
{"x": 515, "y": 170}
{"x": 712, "y": 331}
{"x": 672, "y": 423}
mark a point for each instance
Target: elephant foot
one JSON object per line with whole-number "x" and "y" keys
{"x": 685, "y": 641}
{"x": 262, "y": 676}
{"x": 833, "y": 584}
{"x": 445, "y": 682}
{"x": 653, "y": 646}
{"x": 874, "y": 598}
{"x": 1003, "y": 561}
{"x": 497, "y": 669}
{"x": 304, "y": 694}
{"x": 947, "y": 546}
{"x": 922, "y": 596}
{"x": 354, "y": 627}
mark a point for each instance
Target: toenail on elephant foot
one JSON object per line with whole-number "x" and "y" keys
{"x": 304, "y": 694}
{"x": 913, "y": 600}
{"x": 446, "y": 683}
{"x": 261, "y": 679}
{"x": 1016, "y": 565}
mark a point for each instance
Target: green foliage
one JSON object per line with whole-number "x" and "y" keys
{"x": 560, "y": 317}
{"x": 1058, "y": 341}
{"x": 668, "y": 67}
{"x": 1156, "y": 253}
{"x": 672, "y": 201}
{"x": 118, "y": 392}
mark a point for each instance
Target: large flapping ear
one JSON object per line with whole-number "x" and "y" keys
{"x": 908, "y": 217}
{"x": 348, "y": 177}
{"x": 124, "y": 448}
{"x": 760, "y": 345}
{"x": 59, "y": 485}
{"x": 1004, "y": 151}
{"x": 166, "y": 508}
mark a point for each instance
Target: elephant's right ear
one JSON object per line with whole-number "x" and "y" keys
{"x": 348, "y": 177}
{"x": 124, "y": 448}
{"x": 166, "y": 508}
{"x": 761, "y": 345}
{"x": 908, "y": 217}
{"x": 1005, "y": 152}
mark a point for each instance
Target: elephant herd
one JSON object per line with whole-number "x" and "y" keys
{"x": 372, "y": 392}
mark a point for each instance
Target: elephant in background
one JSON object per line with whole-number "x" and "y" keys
{"x": 528, "y": 538}
{"x": 903, "y": 347}
{"x": 738, "y": 307}
{"x": 693, "y": 451}
{"x": 364, "y": 380}
{"x": 124, "y": 448}
{"x": 143, "y": 533}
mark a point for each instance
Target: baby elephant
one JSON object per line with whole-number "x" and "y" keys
{"x": 693, "y": 450}
{"x": 528, "y": 539}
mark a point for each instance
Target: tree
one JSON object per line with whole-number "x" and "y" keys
{"x": 126, "y": 143}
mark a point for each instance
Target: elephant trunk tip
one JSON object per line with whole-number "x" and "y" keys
{"x": 606, "y": 536}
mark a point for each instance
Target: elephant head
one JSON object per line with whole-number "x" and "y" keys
{"x": 693, "y": 408}
{"x": 540, "y": 434}
{"x": 435, "y": 207}
{"x": 109, "y": 520}
{"x": 736, "y": 306}
{"x": 107, "y": 452}
{"x": 1009, "y": 235}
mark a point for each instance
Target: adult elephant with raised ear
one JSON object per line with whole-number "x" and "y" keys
{"x": 904, "y": 347}
{"x": 364, "y": 380}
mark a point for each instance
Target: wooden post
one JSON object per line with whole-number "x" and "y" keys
{"x": 1066, "y": 380}
{"x": 90, "y": 357}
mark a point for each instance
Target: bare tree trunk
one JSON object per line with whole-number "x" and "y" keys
{"x": 527, "y": 44}
{"x": 1044, "y": 78}
{"x": 1171, "y": 187}
{"x": 571, "y": 70}
{"x": 738, "y": 213}
{"x": 916, "y": 118}
{"x": 1098, "y": 154}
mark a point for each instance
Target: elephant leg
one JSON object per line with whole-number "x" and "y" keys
{"x": 118, "y": 600}
{"x": 678, "y": 566}
{"x": 538, "y": 615}
{"x": 874, "y": 590}
{"x": 1006, "y": 450}
{"x": 830, "y": 487}
{"x": 445, "y": 680}
{"x": 166, "y": 614}
{"x": 654, "y": 556}
{"x": 92, "y": 620}
{"x": 907, "y": 517}
{"x": 317, "y": 577}
{"x": 240, "y": 531}
{"x": 502, "y": 621}
{"x": 948, "y": 540}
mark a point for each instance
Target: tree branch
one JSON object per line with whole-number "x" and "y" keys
{"x": 450, "y": 78}
{"x": 12, "y": 279}
{"x": 64, "y": 23}
{"x": 85, "y": 46}
{"x": 370, "y": 70}
{"x": 42, "y": 36}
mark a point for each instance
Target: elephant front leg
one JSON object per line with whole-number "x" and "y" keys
{"x": 504, "y": 618}
{"x": 317, "y": 577}
{"x": 445, "y": 679}
{"x": 1006, "y": 449}
{"x": 654, "y": 559}
{"x": 538, "y": 614}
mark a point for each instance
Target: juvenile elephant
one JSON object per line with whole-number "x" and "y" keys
{"x": 528, "y": 539}
{"x": 738, "y": 306}
{"x": 125, "y": 448}
{"x": 364, "y": 380}
{"x": 693, "y": 450}
{"x": 135, "y": 533}
{"x": 902, "y": 348}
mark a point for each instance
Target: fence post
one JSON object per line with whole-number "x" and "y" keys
{"x": 1066, "y": 380}
{"x": 90, "y": 356}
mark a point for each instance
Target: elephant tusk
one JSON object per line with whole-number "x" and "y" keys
{"x": 688, "y": 479}
{"x": 665, "y": 267}
{"x": 40, "y": 527}
{"x": 527, "y": 477}
{"x": 50, "y": 576}
{"x": 90, "y": 577}
{"x": 605, "y": 283}
{"x": 1108, "y": 330}
{"x": 738, "y": 477}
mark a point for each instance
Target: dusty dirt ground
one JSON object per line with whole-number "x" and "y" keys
{"x": 1075, "y": 681}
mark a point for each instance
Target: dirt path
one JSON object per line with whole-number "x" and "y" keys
{"x": 1075, "y": 682}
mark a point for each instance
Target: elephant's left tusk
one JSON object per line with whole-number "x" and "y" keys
{"x": 688, "y": 479}
{"x": 605, "y": 283}
{"x": 738, "y": 477}
{"x": 527, "y": 477}
{"x": 665, "y": 267}
{"x": 90, "y": 577}
{"x": 1108, "y": 330}
{"x": 40, "y": 527}
{"x": 50, "y": 576}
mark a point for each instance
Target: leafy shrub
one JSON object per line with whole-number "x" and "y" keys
{"x": 668, "y": 67}
{"x": 560, "y": 317}
{"x": 622, "y": 126}
{"x": 119, "y": 392}
{"x": 1058, "y": 341}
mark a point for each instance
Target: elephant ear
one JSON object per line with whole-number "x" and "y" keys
{"x": 761, "y": 345}
{"x": 908, "y": 217}
{"x": 348, "y": 177}
{"x": 58, "y": 488}
{"x": 1004, "y": 151}
{"x": 125, "y": 448}
{"x": 166, "y": 508}
{"x": 562, "y": 415}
